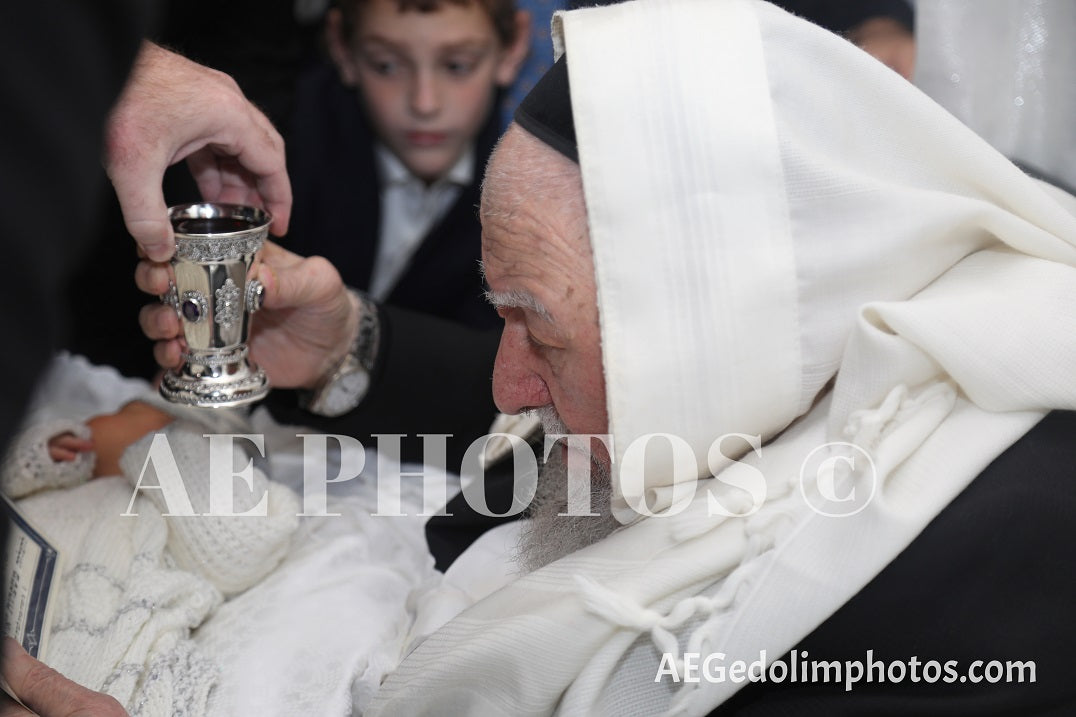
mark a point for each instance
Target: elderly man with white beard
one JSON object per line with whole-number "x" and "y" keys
{"x": 540, "y": 272}
{"x": 804, "y": 313}
{"x": 824, "y": 338}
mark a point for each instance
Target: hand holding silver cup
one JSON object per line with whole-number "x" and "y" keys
{"x": 214, "y": 291}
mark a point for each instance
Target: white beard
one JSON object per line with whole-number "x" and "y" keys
{"x": 546, "y": 535}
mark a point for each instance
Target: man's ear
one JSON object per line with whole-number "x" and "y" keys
{"x": 513, "y": 56}
{"x": 340, "y": 48}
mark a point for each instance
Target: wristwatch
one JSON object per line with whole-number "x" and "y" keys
{"x": 346, "y": 385}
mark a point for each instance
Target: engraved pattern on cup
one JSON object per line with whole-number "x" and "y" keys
{"x": 216, "y": 257}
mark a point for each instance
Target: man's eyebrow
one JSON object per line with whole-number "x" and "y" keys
{"x": 516, "y": 299}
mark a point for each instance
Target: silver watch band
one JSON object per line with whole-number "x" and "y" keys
{"x": 368, "y": 339}
{"x": 337, "y": 394}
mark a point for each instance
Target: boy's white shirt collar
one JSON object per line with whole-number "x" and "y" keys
{"x": 409, "y": 209}
{"x": 393, "y": 171}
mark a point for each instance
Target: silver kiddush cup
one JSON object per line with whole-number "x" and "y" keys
{"x": 214, "y": 292}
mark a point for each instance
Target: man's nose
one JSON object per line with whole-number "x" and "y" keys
{"x": 516, "y": 383}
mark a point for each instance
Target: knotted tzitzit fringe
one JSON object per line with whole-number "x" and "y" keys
{"x": 892, "y": 422}
{"x": 865, "y": 425}
{"x": 625, "y": 612}
{"x": 868, "y": 429}
{"x": 871, "y": 429}
{"x": 898, "y": 427}
{"x": 760, "y": 531}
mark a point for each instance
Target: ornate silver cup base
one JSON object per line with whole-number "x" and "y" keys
{"x": 215, "y": 386}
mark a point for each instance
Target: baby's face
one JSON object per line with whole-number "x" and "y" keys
{"x": 428, "y": 78}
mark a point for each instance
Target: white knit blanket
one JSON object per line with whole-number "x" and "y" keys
{"x": 221, "y": 616}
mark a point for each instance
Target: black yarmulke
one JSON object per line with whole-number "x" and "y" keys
{"x": 546, "y": 111}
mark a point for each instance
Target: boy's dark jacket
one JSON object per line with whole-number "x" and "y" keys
{"x": 337, "y": 210}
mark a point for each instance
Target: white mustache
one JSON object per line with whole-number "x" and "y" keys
{"x": 551, "y": 420}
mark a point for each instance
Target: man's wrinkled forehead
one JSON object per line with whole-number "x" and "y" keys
{"x": 532, "y": 202}
{"x": 534, "y": 225}
{"x": 525, "y": 177}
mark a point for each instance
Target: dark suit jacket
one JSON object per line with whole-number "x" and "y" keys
{"x": 337, "y": 212}
{"x": 65, "y": 64}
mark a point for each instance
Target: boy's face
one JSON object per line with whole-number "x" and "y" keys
{"x": 428, "y": 78}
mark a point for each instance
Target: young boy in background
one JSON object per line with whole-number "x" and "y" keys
{"x": 388, "y": 147}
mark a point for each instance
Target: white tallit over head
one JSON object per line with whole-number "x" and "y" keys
{"x": 770, "y": 211}
{"x": 755, "y": 187}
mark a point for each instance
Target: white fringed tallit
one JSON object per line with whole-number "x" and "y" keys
{"x": 770, "y": 210}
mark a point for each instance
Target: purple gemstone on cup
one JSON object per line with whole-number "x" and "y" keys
{"x": 190, "y": 310}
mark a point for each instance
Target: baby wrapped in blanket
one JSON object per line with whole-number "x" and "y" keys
{"x": 135, "y": 582}
{"x": 268, "y": 615}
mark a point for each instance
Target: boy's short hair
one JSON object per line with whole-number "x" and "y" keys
{"x": 501, "y": 12}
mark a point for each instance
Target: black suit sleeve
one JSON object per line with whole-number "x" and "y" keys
{"x": 431, "y": 376}
{"x": 64, "y": 65}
